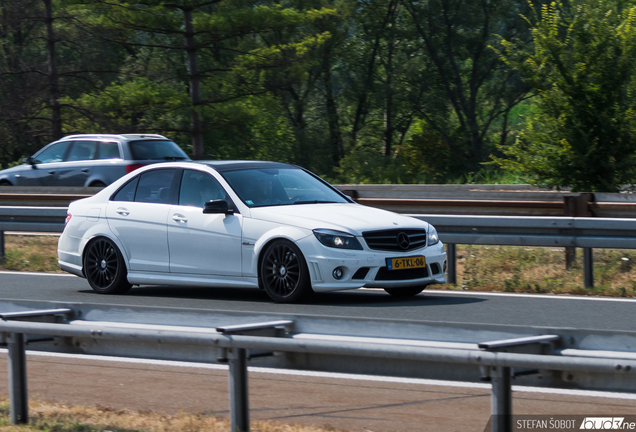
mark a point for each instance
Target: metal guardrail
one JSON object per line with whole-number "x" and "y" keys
{"x": 498, "y": 354}
{"x": 511, "y": 200}
{"x": 586, "y": 233}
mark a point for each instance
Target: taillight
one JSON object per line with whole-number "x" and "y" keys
{"x": 68, "y": 219}
{"x": 131, "y": 168}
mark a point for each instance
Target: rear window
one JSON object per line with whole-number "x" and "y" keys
{"x": 156, "y": 150}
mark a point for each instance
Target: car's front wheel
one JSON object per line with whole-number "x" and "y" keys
{"x": 104, "y": 267}
{"x": 405, "y": 292}
{"x": 283, "y": 272}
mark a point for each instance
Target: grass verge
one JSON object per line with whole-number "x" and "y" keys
{"x": 30, "y": 253}
{"x": 55, "y": 417}
{"x": 542, "y": 270}
{"x": 479, "y": 268}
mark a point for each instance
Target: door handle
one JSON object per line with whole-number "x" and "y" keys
{"x": 51, "y": 172}
{"x": 179, "y": 218}
{"x": 85, "y": 170}
{"x": 122, "y": 211}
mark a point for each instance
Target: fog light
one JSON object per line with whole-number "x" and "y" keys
{"x": 337, "y": 273}
{"x": 444, "y": 267}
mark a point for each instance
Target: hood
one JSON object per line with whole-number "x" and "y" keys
{"x": 351, "y": 218}
{"x": 14, "y": 169}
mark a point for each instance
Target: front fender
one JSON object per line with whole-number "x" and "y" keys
{"x": 254, "y": 242}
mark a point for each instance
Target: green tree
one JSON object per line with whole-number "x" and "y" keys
{"x": 470, "y": 89}
{"x": 582, "y": 64}
{"x": 220, "y": 47}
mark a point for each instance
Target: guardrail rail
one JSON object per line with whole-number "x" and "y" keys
{"x": 552, "y": 357}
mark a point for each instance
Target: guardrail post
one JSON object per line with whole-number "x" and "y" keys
{"x": 2, "y": 252}
{"x": 18, "y": 379}
{"x": 239, "y": 396}
{"x": 451, "y": 260}
{"x": 588, "y": 267}
{"x": 501, "y": 399}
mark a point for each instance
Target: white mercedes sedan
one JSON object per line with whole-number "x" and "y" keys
{"x": 265, "y": 225}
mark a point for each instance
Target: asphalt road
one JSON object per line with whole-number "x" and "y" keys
{"x": 440, "y": 306}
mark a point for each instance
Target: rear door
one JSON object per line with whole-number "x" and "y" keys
{"x": 138, "y": 213}
{"x": 78, "y": 164}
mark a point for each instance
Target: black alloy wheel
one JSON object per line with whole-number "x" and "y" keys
{"x": 405, "y": 292}
{"x": 104, "y": 267}
{"x": 283, "y": 272}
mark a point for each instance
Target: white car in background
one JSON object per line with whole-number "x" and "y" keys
{"x": 269, "y": 225}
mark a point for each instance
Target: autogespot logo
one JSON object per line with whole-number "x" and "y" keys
{"x": 606, "y": 423}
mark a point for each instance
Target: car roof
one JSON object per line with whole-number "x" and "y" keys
{"x": 234, "y": 165}
{"x": 115, "y": 136}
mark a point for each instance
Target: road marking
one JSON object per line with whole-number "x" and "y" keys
{"x": 335, "y": 375}
{"x": 36, "y": 273}
{"x": 519, "y": 295}
{"x": 541, "y": 296}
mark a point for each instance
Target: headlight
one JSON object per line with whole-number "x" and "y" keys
{"x": 337, "y": 239}
{"x": 433, "y": 238}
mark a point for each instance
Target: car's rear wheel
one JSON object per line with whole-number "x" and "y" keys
{"x": 405, "y": 292}
{"x": 104, "y": 267}
{"x": 97, "y": 184}
{"x": 283, "y": 272}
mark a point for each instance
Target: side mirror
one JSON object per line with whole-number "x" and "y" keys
{"x": 29, "y": 160}
{"x": 217, "y": 207}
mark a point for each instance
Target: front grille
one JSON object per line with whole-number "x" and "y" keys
{"x": 385, "y": 274}
{"x": 393, "y": 240}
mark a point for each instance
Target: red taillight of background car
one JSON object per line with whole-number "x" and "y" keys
{"x": 131, "y": 168}
{"x": 68, "y": 219}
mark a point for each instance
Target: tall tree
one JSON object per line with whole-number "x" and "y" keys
{"x": 220, "y": 41}
{"x": 478, "y": 87}
{"x": 582, "y": 64}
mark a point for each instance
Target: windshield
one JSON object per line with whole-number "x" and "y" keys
{"x": 156, "y": 150}
{"x": 287, "y": 186}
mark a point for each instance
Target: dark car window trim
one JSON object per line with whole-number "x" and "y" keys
{"x": 228, "y": 197}
{"x": 99, "y": 147}
{"x": 112, "y": 196}
{"x": 69, "y": 144}
{"x": 69, "y": 149}
{"x": 176, "y": 182}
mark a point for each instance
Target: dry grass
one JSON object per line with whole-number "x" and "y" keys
{"x": 31, "y": 253}
{"x": 54, "y": 417}
{"x": 542, "y": 270}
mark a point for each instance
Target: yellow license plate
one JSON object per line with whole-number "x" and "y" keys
{"x": 405, "y": 263}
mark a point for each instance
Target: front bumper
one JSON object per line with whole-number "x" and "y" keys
{"x": 367, "y": 268}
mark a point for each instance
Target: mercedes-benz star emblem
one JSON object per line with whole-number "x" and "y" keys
{"x": 403, "y": 240}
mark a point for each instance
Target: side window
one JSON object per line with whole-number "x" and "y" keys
{"x": 155, "y": 186}
{"x": 82, "y": 150}
{"x": 108, "y": 150}
{"x": 54, "y": 153}
{"x": 127, "y": 193}
{"x": 198, "y": 187}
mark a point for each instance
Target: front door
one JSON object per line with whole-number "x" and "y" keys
{"x": 203, "y": 243}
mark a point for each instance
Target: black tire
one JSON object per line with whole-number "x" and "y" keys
{"x": 97, "y": 184}
{"x": 5, "y": 183}
{"x": 104, "y": 267}
{"x": 283, "y": 273}
{"x": 405, "y": 292}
